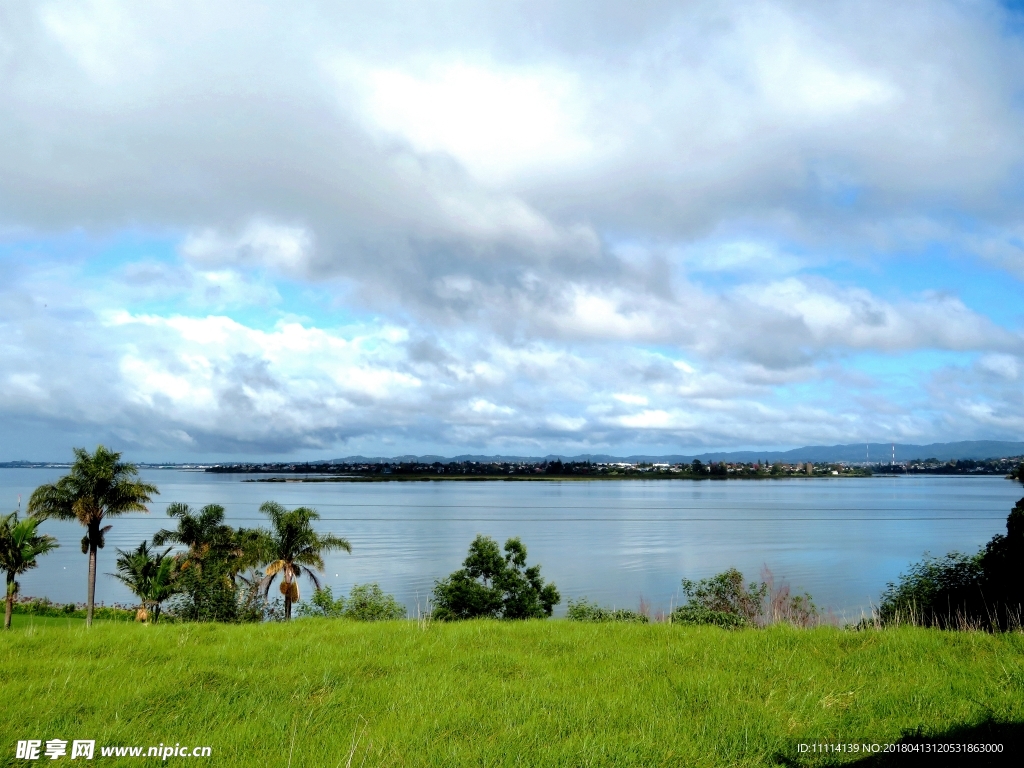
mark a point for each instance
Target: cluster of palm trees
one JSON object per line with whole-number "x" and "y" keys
{"x": 214, "y": 556}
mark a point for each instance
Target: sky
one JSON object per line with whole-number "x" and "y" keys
{"x": 289, "y": 231}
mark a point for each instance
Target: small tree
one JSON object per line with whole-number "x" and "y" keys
{"x": 20, "y": 545}
{"x": 492, "y": 586}
{"x": 149, "y": 575}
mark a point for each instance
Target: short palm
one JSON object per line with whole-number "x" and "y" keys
{"x": 20, "y": 545}
{"x": 148, "y": 574}
{"x": 295, "y": 549}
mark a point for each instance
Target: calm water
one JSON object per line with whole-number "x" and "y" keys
{"x": 840, "y": 539}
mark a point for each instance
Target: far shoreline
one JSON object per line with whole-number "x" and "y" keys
{"x": 582, "y": 478}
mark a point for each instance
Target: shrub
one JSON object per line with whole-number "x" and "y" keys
{"x": 722, "y": 600}
{"x": 726, "y": 601}
{"x": 584, "y": 610}
{"x": 985, "y": 590}
{"x": 366, "y": 602}
{"x": 937, "y": 591}
{"x": 695, "y": 614}
{"x": 206, "y": 592}
{"x": 489, "y": 585}
{"x": 322, "y": 604}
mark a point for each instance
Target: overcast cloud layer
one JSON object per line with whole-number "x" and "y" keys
{"x": 314, "y": 230}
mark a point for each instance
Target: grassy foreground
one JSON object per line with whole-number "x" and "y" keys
{"x": 329, "y": 693}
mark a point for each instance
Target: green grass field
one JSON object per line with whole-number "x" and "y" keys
{"x": 482, "y": 693}
{"x": 25, "y": 621}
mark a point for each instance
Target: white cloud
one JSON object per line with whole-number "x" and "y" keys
{"x": 631, "y": 399}
{"x": 536, "y": 211}
{"x": 500, "y": 124}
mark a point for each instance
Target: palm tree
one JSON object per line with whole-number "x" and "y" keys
{"x": 149, "y": 574}
{"x": 203, "y": 534}
{"x": 98, "y": 486}
{"x": 20, "y": 545}
{"x": 295, "y": 549}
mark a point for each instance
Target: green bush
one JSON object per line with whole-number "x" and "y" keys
{"x": 984, "y": 590}
{"x": 206, "y": 592}
{"x": 934, "y": 591}
{"x": 696, "y": 614}
{"x": 726, "y": 601}
{"x": 366, "y": 602}
{"x": 584, "y": 610}
{"x": 322, "y": 604}
{"x": 722, "y": 600}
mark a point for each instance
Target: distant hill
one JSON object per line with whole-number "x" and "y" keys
{"x": 855, "y": 452}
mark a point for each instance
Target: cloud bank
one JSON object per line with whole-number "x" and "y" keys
{"x": 522, "y": 226}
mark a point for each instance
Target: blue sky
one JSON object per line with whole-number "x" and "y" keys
{"x": 331, "y": 229}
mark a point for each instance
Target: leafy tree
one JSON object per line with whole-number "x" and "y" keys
{"x": 20, "y": 545}
{"x": 98, "y": 486}
{"x": 149, "y": 575}
{"x": 1002, "y": 563}
{"x": 293, "y": 548}
{"x": 492, "y": 586}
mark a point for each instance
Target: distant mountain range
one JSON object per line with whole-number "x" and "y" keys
{"x": 855, "y": 452}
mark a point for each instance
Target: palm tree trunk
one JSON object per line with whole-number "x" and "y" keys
{"x": 92, "y": 584}
{"x": 287, "y": 608}
{"x": 9, "y": 602}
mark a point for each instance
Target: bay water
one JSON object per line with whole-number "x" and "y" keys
{"x": 840, "y": 539}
